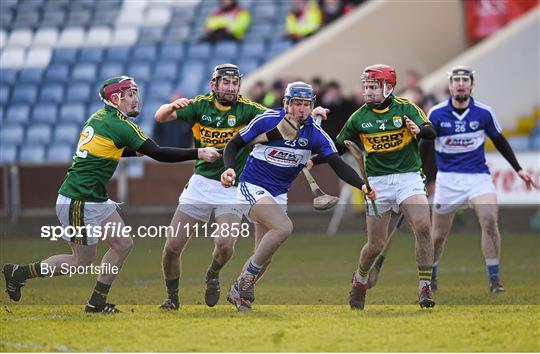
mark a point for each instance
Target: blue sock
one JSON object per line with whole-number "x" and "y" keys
{"x": 434, "y": 271}
{"x": 253, "y": 268}
{"x": 492, "y": 268}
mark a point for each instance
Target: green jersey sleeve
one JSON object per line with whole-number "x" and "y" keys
{"x": 131, "y": 135}
{"x": 348, "y": 132}
{"x": 416, "y": 114}
{"x": 188, "y": 114}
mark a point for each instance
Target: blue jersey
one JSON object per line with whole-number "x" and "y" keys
{"x": 274, "y": 165}
{"x": 459, "y": 146}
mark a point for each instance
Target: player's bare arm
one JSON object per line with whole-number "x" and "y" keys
{"x": 167, "y": 112}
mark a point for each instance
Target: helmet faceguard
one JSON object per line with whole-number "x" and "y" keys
{"x": 461, "y": 74}
{"x": 119, "y": 87}
{"x": 384, "y": 76}
{"x": 225, "y": 98}
{"x": 298, "y": 90}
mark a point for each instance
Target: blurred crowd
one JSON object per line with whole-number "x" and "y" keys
{"x": 231, "y": 21}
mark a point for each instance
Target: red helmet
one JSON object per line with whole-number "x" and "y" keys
{"x": 381, "y": 73}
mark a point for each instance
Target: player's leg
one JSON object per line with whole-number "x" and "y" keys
{"x": 416, "y": 211}
{"x": 178, "y": 235}
{"x": 270, "y": 214}
{"x": 377, "y": 231}
{"x": 17, "y": 274}
{"x": 486, "y": 209}
{"x": 260, "y": 231}
{"x": 111, "y": 263}
{"x": 223, "y": 251}
{"x": 442, "y": 223}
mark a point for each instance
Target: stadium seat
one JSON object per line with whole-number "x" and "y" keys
{"x": 248, "y": 65}
{"x": 52, "y": 93}
{"x": 12, "y": 58}
{"x": 141, "y": 71}
{"x": 157, "y": 16}
{"x": 264, "y": 10}
{"x": 227, "y": 49}
{"x": 24, "y": 93}
{"x": 19, "y": 113}
{"x": 167, "y": 70}
{"x": 31, "y": 75}
{"x": 60, "y": 153}
{"x": 91, "y": 55}
{"x": 72, "y": 37}
{"x": 177, "y": 34}
{"x": 105, "y": 16}
{"x": 9, "y": 76}
{"x": 78, "y": 92}
{"x": 8, "y": 153}
{"x": 172, "y": 51}
{"x": 78, "y": 17}
{"x": 109, "y": 70}
{"x": 519, "y": 143}
{"x": 6, "y": 18}
{"x": 98, "y": 36}
{"x": 57, "y": 73}
{"x": 125, "y": 36}
{"x": 160, "y": 91}
{"x": 84, "y": 72}
{"x": 144, "y": 52}
{"x": 259, "y": 31}
{"x": 38, "y": 134}
{"x": 32, "y": 153}
{"x": 38, "y": 57}
{"x": 252, "y": 49}
{"x": 64, "y": 55}
{"x": 152, "y": 34}
{"x": 96, "y": 105}
{"x": 4, "y": 94}
{"x": 193, "y": 72}
{"x": 55, "y": 18}
{"x": 73, "y": 112}
{"x": 46, "y": 37}
{"x": 21, "y": 38}
{"x": 66, "y": 133}
{"x": 199, "y": 51}
{"x": 279, "y": 46}
{"x": 118, "y": 54}
{"x": 45, "y": 112}
{"x": 12, "y": 134}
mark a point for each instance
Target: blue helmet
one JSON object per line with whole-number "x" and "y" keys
{"x": 299, "y": 90}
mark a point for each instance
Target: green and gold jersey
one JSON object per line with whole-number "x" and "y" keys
{"x": 212, "y": 126}
{"x": 390, "y": 146}
{"x": 101, "y": 143}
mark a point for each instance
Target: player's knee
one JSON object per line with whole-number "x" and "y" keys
{"x": 285, "y": 228}
{"x": 172, "y": 250}
{"x": 489, "y": 224}
{"x": 423, "y": 231}
{"x": 123, "y": 246}
{"x": 224, "y": 248}
{"x": 376, "y": 246}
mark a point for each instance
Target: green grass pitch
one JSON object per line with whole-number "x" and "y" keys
{"x": 301, "y": 302}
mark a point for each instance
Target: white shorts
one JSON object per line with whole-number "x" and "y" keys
{"x": 453, "y": 189}
{"x": 202, "y": 196}
{"x": 77, "y": 213}
{"x": 249, "y": 194}
{"x": 393, "y": 189}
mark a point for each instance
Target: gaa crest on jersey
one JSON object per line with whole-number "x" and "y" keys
{"x": 231, "y": 120}
{"x": 398, "y": 122}
{"x": 302, "y": 142}
{"x": 474, "y": 124}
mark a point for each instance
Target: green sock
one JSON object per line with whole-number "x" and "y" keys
{"x": 99, "y": 296}
{"x": 213, "y": 270}
{"x": 172, "y": 288}
{"x": 363, "y": 275}
{"x": 424, "y": 276}
{"x": 28, "y": 271}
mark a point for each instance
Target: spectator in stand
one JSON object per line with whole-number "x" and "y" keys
{"x": 257, "y": 92}
{"x": 229, "y": 22}
{"x": 340, "y": 108}
{"x": 317, "y": 85}
{"x": 175, "y": 133}
{"x": 274, "y": 97}
{"x": 333, "y": 9}
{"x": 303, "y": 20}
